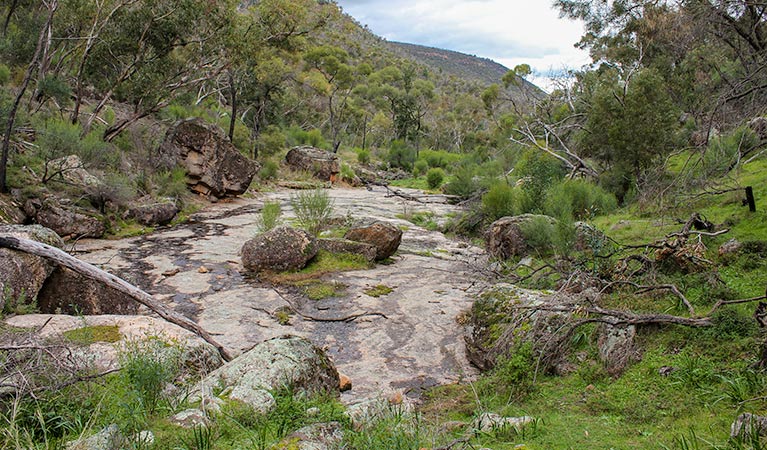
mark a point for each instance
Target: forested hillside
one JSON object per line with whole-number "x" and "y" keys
{"x": 617, "y": 302}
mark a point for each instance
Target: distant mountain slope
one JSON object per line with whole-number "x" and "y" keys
{"x": 450, "y": 62}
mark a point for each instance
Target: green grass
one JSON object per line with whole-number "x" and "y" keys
{"x": 378, "y": 290}
{"x": 323, "y": 264}
{"x": 320, "y": 290}
{"x": 91, "y": 334}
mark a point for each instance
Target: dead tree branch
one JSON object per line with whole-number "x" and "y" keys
{"x": 94, "y": 273}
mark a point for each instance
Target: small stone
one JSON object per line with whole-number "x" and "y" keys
{"x": 395, "y": 398}
{"x": 313, "y": 412}
{"x": 171, "y": 272}
{"x": 345, "y": 383}
{"x": 189, "y": 418}
{"x": 203, "y": 269}
{"x": 145, "y": 439}
{"x": 666, "y": 371}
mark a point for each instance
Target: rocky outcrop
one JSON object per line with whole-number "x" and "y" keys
{"x": 323, "y": 165}
{"x": 22, "y": 275}
{"x": 385, "y": 237}
{"x": 196, "y": 356}
{"x": 489, "y": 422}
{"x": 153, "y": 214}
{"x": 283, "y": 362}
{"x": 283, "y": 248}
{"x": 66, "y": 222}
{"x": 759, "y": 126}
{"x": 318, "y": 436}
{"x": 213, "y": 165}
{"x": 616, "y": 347}
{"x": 111, "y": 438}
{"x": 10, "y": 211}
{"x": 363, "y": 249}
{"x": 497, "y": 327}
{"x": 71, "y": 169}
{"x": 68, "y": 292}
{"x": 746, "y": 425}
{"x": 506, "y": 238}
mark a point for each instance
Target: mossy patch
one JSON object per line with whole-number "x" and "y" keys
{"x": 323, "y": 264}
{"x": 378, "y": 290}
{"x": 91, "y": 334}
{"x": 319, "y": 290}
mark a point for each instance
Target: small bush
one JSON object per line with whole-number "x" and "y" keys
{"x": 420, "y": 167}
{"x": 5, "y": 74}
{"x": 147, "y": 366}
{"x": 312, "y": 209}
{"x": 501, "y": 200}
{"x": 269, "y": 170}
{"x": 171, "y": 183}
{"x": 347, "y": 173}
{"x": 271, "y": 141}
{"x": 464, "y": 184}
{"x": 401, "y": 156}
{"x": 270, "y": 216}
{"x": 435, "y": 177}
{"x": 540, "y": 234}
{"x": 363, "y": 156}
{"x": 578, "y": 199}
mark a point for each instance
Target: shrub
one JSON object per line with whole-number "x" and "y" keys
{"x": 270, "y": 216}
{"x": 147, "y": 366}
{"x": 464, "y": 184}
{"x": 501, "y": 200}
{"x": 269, "y": 170}
{"x": 540, "y": 234}
{"x": 578, "y": 199}
{"x": 400, "y": 156}
{"x": 5, "y": 74}
{"x": 363, "y": 156}
{"x": 435, "y": 177}
{"x": 312, "y": 209}
{"x": 724, "y": 151}
{"x": 347, "y": 173}
{"x": 171, "y": 183}
{"x": 420, "y": 167}
{"x": 271, "y": 141}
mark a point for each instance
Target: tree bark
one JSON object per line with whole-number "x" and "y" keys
{"x": 63, "y": 259}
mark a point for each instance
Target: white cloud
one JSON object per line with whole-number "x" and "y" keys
{"x": 510, "y": 32}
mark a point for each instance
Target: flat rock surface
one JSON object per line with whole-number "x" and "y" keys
{"x": 405, "y": 341}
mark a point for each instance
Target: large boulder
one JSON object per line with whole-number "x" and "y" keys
{"x": 616, "y": 347}
{"x": 66, "y": 222}
{"x": 334, "y": 245}
{"x": 214, "y": 166}
{"x": 506, "y": 238}
{"x": 67, "y": 292}
{"x": 323, "y": 165}
{"x": 385, "y": 237}
{"x": 22, "y": 275}
{"x": 153, "y": 214}
{"x": 284, "y": 362}
{"x": 282, "y": 248}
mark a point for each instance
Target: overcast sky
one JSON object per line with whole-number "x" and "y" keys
{"x": 510, "y": 32}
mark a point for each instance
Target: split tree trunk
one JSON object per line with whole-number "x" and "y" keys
{"x": 63, "y": 259}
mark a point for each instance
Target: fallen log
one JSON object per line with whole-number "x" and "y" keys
{"x": 63, "y": 259}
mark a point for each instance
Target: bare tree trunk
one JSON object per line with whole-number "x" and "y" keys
{"x": 233, "y": 100}
{"x": 8, "y": 17}
{"x": 92, "y": 272}
{"x": 14, "y": 109}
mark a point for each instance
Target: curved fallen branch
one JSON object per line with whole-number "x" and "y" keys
{"x": 63, "y": 259}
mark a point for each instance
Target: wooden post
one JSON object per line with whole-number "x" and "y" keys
{"x": 750, "y": 199}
